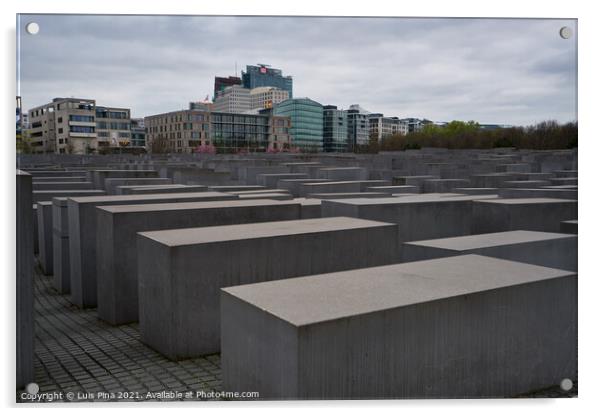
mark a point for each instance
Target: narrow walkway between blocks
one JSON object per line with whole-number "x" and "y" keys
{"x": 77, "y": 353}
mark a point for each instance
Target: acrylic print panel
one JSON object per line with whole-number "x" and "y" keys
{"x": 268, "y": 208}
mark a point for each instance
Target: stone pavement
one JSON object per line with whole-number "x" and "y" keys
{"x": 77, "y": 354}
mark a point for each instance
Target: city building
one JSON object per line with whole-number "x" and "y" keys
{"x": 66, "y": 125}
{"x": 358, "y": 127}
{"x": 77, "y": 125}
{"x": 185, "y": 130}
{"x": 415, "y": 124}
{"x": 112, "y": 127}
{"x": 382, "y": 127}
{"x": 138, "y": 133}
{"x": 233, "y": 99}
{"x": 307, "y": 122}
{"x": 267, "y": 97}
{"x": 262, "y": 75}
{"x": 205, "y": 105}
{"x": 222, "y": 82}
{"x": 335, "y": 129}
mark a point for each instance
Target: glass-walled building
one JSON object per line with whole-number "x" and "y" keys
{"x": 335, "y": 129}
{"x": 306, "y": 122}
{"x": 261, "y": 75}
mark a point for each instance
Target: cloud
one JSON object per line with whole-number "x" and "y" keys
{"x": 512, "y": 71}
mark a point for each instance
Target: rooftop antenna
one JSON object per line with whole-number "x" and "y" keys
{"x": 235, "y": 69}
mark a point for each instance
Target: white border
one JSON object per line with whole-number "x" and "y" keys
{"x": 590, "y": 138}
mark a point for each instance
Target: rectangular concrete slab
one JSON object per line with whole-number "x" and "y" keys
{"x": 117, "y": 226}
{"x": 418, "y": 217}
{"x": 24, "y": 281}
{"x": 181, "y": 271}
{"x": 459, "y": 327}
{"x": 44, "y": 212}
{"x": 82, "y": 234}
{"x": 535, "y": 214}
{"x": 553, "y": 250}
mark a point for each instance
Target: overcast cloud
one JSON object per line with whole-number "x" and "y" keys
{"x": 489, "y": 70}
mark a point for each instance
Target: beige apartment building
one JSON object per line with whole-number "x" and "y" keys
{"x": 267, "y": 97}
{"x": 186, "y": 130}
{"x": 78, "y": 126}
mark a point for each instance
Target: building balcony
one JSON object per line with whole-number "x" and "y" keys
{"x": 83, "y": 123}
{"x": 82, "y": 135}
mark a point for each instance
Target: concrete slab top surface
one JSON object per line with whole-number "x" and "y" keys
{"x": 527, "y": 201}
{"x": 419, "y": 198}
{"x": 469, "y": 242}
{"x": 307, "y": 201}
{"x": 570, "y": 222}
{"x": 200, "y": 235}
{"x": 172, "y": 206}
{"x": 167, "y": 186}
{"x": 150, "y": 197}
{"x": 313, "y": 299}
{"x": 44, "y": 203}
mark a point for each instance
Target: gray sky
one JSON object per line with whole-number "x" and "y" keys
{"x": 489, "y": 70}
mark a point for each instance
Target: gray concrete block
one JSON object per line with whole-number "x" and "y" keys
{"x": 418, "y": 217}
{"x": 564, "y": 181}
{"x": 117, "y": 264}
{"x": 415, "y": 180}
{"x": 39, "y": 179}
{"x": 48, "y": 195}
{"x": 24, "y": 281}
{"x": 270, "y": 180}
{"x": 310, "y": 208}
{"x": 235, "y": 188}
{"x": 294, "y": 185}
{"x": 36, "y": 246}
{"x": 44, "y": 212}
{"x": 538, "y": 193}
{"x": 181, "y": 271}
{"x": 111, "y": 184}
{"x": 82, "y": 235}
{"x": 343, "y": 173}
{"x": 553, "y": 250}
{"x": 347, "y": 195}
{"x": 476, "y": 191}
{"x": 526, "y": 184}
{"x": 443, "y": 185}
{"x": 491, "y": 180}
{"x": 535, "y": 214}
{"x": 460, "y": 327}
{"x": 98, "y": 176}
{"x": 56, "y": 186}
{"x": 60, "y": 245}
{"x": 277, "y": 196}
{"x": 158, "y": 189}
{"x": 395, "y": 189}
{"x": 569, "y": 227}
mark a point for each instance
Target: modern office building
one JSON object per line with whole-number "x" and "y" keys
{"x": 112, "y": 127}
{"x": 233, "y": 99}
{"x": 222, "y": 82}
{"x": 335, "y": 129}
{"x": 382, "y": 127}
{"x": 138, "y": 133}
{"x": 415, "y": 124}
{"x": 185, "y": 130}
{"x": 358, "y": 127}
{"x": 262, "y": 75}
{"x": 267, "y": 97}
{"x": 307, "y": 122}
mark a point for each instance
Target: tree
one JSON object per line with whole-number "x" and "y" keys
{"x": 160, "y": 145}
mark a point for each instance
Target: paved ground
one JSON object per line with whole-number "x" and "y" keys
{"x": 78, "y": 353}
{"x": 81, "y": 356}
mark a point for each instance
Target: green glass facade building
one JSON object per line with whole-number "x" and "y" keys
{"x": 306, "y": 122}
{"x": 335, "y": 129}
